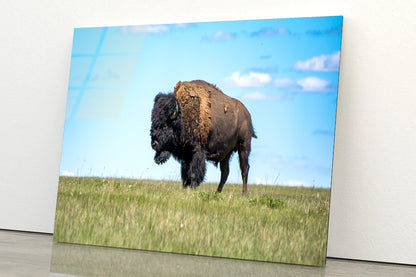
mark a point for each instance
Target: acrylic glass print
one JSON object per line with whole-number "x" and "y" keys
{"x": 237, "y": 164}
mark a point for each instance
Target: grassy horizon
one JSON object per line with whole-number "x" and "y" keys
{"x": 272, "y": 223}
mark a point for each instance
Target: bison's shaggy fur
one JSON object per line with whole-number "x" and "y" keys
{"x": 195, "y": 102}
{"x": 197, "y": 122}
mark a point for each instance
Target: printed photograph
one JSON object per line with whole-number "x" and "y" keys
{"x": 211, "y": 139}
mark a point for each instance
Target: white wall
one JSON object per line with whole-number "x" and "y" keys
{"x": 373, "y": 207}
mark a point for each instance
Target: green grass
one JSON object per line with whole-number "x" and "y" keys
{"x": 272, "y": 223}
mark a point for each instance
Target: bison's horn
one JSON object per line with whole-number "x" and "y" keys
{"x": 175, "y": 112}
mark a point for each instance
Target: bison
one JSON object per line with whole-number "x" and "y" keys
{"x": 196, "y": 123}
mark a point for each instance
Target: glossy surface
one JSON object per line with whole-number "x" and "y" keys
{"x": 31, "y": 254}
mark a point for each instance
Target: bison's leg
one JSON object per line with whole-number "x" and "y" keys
{"x": 225, "y": 170}
{"x": 197, "y": 168}
{"x": 243, "y": 152}
{"x": 184, "y": 174}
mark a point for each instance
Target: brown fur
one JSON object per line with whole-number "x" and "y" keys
{"x": 195, "y": 102}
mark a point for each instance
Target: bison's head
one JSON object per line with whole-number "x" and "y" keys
{"x": 166, "y": 126}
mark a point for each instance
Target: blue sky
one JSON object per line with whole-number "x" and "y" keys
{"x": 284, "y": 70}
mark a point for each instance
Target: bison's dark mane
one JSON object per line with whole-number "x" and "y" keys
{"x": 183, "y": 145}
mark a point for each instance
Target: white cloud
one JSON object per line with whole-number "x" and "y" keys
{"x": 267, "y": 32}
{"x": 182, "y": 25}
{"x": 255, "y": 96}
{"x": 221, "y": 36}
{"x": 260, "y": 181}
{"x": 252, "y": 79}
{"x": 266, "y": 181}
{"x": 67, "y": 173}
{"x": 155, "y": 29}
{"x": 309, "y": 84}
{"x": 323, "y": 63}
{"x": 313, "y": 84}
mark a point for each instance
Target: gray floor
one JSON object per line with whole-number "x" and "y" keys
{"x": 30, "y": 254}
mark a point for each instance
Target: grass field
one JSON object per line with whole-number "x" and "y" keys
{"x": 272, "y": 223}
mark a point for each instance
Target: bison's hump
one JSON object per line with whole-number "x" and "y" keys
{"x": 195, "y": 101}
